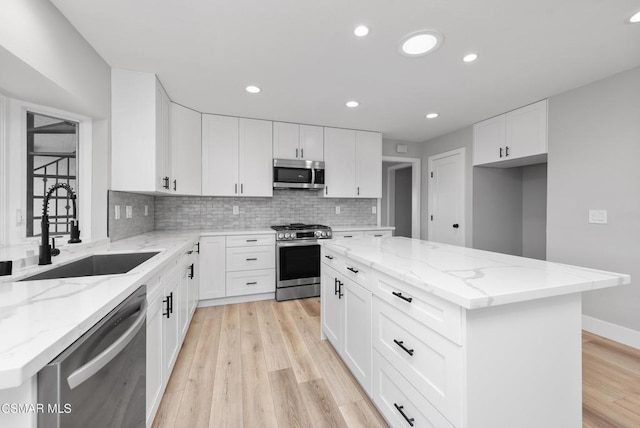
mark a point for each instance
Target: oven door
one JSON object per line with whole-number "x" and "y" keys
{"x": 298, "y": 263}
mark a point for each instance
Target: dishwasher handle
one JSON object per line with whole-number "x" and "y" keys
{"x": 85, "y": 372}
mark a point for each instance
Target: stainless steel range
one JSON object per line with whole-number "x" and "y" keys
{"x": 298, "y": 260}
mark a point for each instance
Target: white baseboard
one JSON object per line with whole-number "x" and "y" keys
{"x": 617, "y": 333}
{"x": 235, "y": 299}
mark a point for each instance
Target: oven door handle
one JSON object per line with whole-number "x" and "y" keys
{"x": 96, "y": 364}
{"x": 297, "y": 243}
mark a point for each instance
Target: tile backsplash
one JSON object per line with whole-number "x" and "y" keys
{"x": 138, "y": 223}
{"x": 286, "y": 206}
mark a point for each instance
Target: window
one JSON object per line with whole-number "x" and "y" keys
{"x": 52, "y": 147}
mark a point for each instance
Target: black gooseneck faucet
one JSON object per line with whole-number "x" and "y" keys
{"x": 46, "y": 250}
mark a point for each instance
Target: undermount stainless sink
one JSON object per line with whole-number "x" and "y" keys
{"x": 98, "y": 264}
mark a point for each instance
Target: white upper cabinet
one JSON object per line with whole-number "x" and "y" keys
{"x": 186, "y": 154}
{"x": 220, "y": 155}
{"x": 353, "y": 163}
{"x": 368, "y": 164}
{"x": 237, "y": 157}
{"x": 293, "y": 141}
{"x": 140, "y": 152}
{"x": 516, "y": 138}
{"x": 340, "y": 162}
{"x": 256, "y": 158}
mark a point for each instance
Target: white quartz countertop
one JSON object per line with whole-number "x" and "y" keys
{"x": 39, "y": 319}
{"x": 360, "y": 228}
{"x": 472, "y": 278}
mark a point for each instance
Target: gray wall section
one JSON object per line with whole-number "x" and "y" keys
{"x": 414, "y": 150}
{"x": 138, "y": 223}
{"x": 534, "y": 211}
{"x": 497, "y": 209}
{"x": 403, "y": 202}
{"x": 594, "y": 150}
{"x": 286, "y": 206}
{"x": 445, "y": 143}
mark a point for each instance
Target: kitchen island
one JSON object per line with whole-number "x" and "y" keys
{"x": 447, "y": 336}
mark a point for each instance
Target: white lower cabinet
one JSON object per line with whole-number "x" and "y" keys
{"x": 237, "y": 265}
{"x": 346, "y": 321}
{"x": 154, "y": 356}
{"x": 171, "y": 325}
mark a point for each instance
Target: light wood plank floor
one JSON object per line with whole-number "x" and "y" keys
{"x": 262, "y": 364}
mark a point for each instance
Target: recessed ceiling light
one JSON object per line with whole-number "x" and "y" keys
{"x": 252, "y": 89}
{"x": 635, "y": 18}
{"x": 352, "y": 104}
{"x": 361, "y": 31}
{"x": 420, "y": 43}
{"x": 470, "y": 57}
{"x": 431, "y": 115}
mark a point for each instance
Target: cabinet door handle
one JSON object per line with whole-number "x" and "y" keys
{"x": 326, "y": 190}
{"x": 400, "y": 343}
{"x": 301, "y": 153}
{"x": 501, "y": 152}
{"x": 251, "y": 283}
{"x": 340, "y": 293}
{"x": 354, "y": 270}
{"x": 358, "y": 188}
{"x": 198, "y": 250}
{"x": 166, "y": 183}
{"x": 406, "y": 418}
{"x": 296, "y": 153}
{"x": 175, "y": 185}
{"x": 328, "y": 256}
{"x": 241, "y": 187}
{"x": 406, "y": 299}
{"x": 252, "y": 259}
{"x": 171, "y": 302}
{"x": 236, "y": 186}
{"x": 191, "y": 269}
{"x": 167, "y": 313}
{"x": 506, "y": 151}
{"x": 335, "y": 286}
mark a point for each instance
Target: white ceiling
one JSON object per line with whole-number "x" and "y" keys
{"x": 304, "y": 56}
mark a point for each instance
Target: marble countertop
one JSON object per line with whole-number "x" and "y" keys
{"x": 359, "y": 228}
{"x": 472, "y": 278}
{"x": 39, "y": 319}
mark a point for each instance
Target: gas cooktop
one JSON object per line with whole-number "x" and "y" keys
{"x": 298, "y": 231}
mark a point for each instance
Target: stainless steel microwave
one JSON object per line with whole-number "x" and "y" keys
{"x": 298, "y": 174}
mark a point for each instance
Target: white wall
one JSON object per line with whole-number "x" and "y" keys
{"x": 445, "y": 143}
{"x": 534, "y": 211}
{"x": 50, "y": 63}
{"x": 594, "y": 153}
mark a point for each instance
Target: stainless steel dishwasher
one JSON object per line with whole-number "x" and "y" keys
{"x": 99, "y": 381}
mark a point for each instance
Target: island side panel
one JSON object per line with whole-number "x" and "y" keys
{"x": 524, "y": 364}
{"x": 16, "y": 411}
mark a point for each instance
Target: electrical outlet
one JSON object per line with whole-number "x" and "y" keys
{"x": 236, "y": 210}
{"x": 374, "y": 210}
{"x": 117, "y": 213}
{"x": 598, "y": 216}
{"x": 337, "y": 210}
{"x": 128, "y": 211}
{"x": 19, "y": 218}
{"x": 146, "y": 210}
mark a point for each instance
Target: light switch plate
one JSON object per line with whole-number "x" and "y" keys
{"x": 117, "y": 213}
{"x": 236, "y": 210}
{"x": 129, "y": 211}
{"x": 374, "y": 210}
{"x": 598, "y": 216}
{"x": 337, "y": 210}
{"x": 146, "y": 210}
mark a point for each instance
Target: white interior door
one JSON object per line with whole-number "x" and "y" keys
{"x": 446, "y": 198}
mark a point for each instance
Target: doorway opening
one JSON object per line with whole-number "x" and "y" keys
{"x": 400, "y": 203}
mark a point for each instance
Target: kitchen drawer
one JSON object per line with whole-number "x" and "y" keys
{"x": 340, "y": 235}
{"x": 331, "y": 259}
{"x": 251, "y": 258}
{"x": 356, "y": 272}
{"x": 431, "y": 362}
{"x": 438, "y": 314}
{"x": 251, "y": 282}
{"x": 250, "y": 240}
{"x": 393, "y": 394}
{"x": 377, "y": 233}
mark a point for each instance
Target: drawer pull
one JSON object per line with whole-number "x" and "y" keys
{"x": 401, "y": 344}
{"x": 378, "y": 236}
{"x": 191, "y": 271}
{"x": 251, "y": 283}
{"x": 340, "y": 293}
{"x": 328, "y": 256}
{"x": 406, "y": 299}
{"x": 252, "y": 240}
{"x": 348, "y": 236}
{"x": 252, "y": 259}
{"x": 406, "y": 418}
{"x": 354, "y": 270}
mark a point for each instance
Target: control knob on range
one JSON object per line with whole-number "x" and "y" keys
{"x": 323, "y": 234}
{"x": 280, "y": 235}
{"x": 287, "y": 236}
{"x": 317, "y": 233}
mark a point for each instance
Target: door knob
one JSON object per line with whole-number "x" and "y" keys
{"x": 456, "y": 225}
